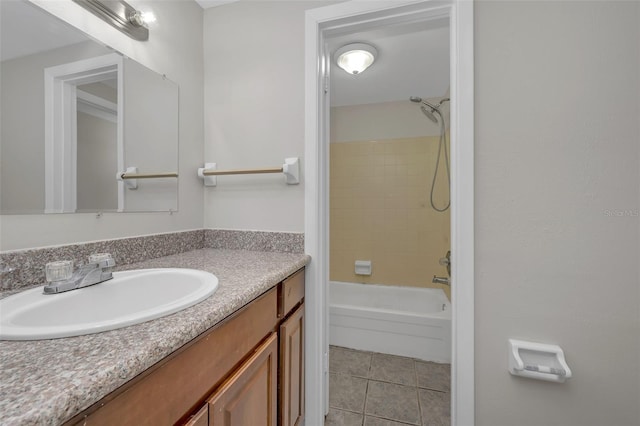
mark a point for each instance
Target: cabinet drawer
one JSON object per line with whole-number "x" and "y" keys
{"x": 291, "y": 292}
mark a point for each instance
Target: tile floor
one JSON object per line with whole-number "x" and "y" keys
{"x": 372, "y": 389}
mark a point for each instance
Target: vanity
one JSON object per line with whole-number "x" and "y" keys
{"x": 235, "y": 358}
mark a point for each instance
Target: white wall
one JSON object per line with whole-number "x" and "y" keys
{"x": 97, "y": 159}
{"x": 175, "y": 49}
{"x": 254, "y": 112}
{"x": 557, "y": 151}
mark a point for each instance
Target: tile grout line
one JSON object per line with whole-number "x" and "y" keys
{"x": 364, "y": 408}
{"x": 394, "y": 383}
{"x": 345, "y": 410}
{"x": 366, "y": 393}
{"x": 433, "y": 390}
{"x": 415, "y": 370}
{"x": 393, "y": 420}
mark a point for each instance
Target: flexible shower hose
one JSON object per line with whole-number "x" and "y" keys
{"x": 443, "y": 142}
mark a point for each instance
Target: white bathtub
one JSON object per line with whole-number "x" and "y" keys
{"x": 406, "y": 321}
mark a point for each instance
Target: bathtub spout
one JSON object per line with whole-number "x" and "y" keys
{"x": 441, "y": 280}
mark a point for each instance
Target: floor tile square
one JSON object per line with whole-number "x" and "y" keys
{"x": 434, "y": 376}
{"x": 377, "y": 421}
{"x": 394, "y": 369}
{"x": 392, "y": 401}
{"x": 349, "y": 361}
{"x": 347, "y": 392}
{"x": 435, "y": 407}
{"x": 342, "y": 418}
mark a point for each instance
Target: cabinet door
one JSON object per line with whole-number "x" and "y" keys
{"x": 249, "y": 396}
{"x": 201, "y": 418}
{"x": 292, "y": 369}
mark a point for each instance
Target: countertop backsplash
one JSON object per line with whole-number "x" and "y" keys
{"x": 283, "y": 242}
{"x": 25, "y": 268}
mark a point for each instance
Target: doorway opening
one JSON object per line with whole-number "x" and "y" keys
{"x": 83, "y": 121}
{"x": 352, "y": 18}
{"x": 389, "y": 225}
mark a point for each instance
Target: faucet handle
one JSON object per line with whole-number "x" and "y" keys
{"x": 446, "y": 261}
{"x": 104, "y": 260}
{"x": 58, "y": 271}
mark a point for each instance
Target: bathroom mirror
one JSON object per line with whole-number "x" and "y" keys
{"x": 83, "y": 128}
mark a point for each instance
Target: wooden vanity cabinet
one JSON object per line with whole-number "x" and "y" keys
{"x": 247, "y": 370}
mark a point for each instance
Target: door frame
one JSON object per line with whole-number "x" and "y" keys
{"x": 346, "y": 17}
{"x": 60, "y": 114}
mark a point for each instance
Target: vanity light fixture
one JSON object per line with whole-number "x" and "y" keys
{"x": 355, "y": 57}
{"x": 121, "y": 15}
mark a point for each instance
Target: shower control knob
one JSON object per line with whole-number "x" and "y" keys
{"x": 446, "y": 261}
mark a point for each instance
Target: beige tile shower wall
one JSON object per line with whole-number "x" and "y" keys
{"x": 380, "y": 211}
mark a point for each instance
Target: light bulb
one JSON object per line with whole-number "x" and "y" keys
{"x": 356, "y": 57}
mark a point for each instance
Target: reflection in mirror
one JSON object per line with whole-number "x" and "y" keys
{"x": 97, "y": 134}
{"x": 75, "y": 116}
{"x": 73, "y": 119}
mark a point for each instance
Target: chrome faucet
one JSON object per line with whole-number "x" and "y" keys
{"x": 441, "y": 280}
{"x": 61, "y": 278}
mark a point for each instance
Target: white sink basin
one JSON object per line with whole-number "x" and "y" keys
{"x": 131, "y": 297}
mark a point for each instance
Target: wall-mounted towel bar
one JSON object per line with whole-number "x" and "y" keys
{"x": 241, "y": 171}
{"x": 148, "y": 175}
{"x": 130, "y": 176}
{"x": 290, "y": 169}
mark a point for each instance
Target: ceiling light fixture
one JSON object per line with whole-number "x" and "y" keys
{"x": 120, "y": 15}
{"x": 355, "y": 57}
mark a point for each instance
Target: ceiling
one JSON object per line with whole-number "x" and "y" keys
{"x": 413, "y": 60}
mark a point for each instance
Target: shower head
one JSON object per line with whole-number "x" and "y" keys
{"x": 429, "y": 114}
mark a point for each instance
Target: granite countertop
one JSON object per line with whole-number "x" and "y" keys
{"x": 50, "y": 381}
